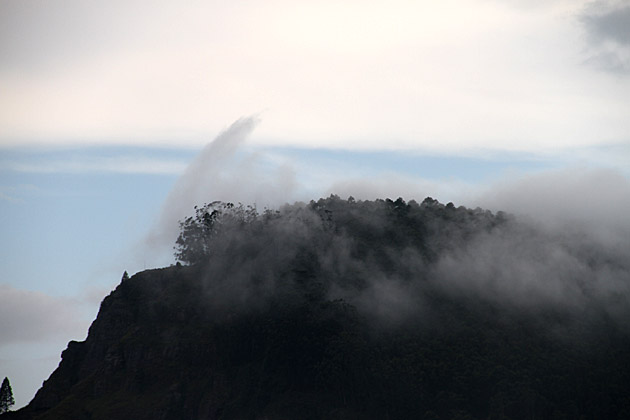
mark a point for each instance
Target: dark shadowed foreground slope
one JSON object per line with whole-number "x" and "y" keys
{"x": 344, "y": 309}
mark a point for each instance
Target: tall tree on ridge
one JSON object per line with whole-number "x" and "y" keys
{"x": 6, "y": 396}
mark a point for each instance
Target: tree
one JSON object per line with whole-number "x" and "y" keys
{"x": 6, "y": 396}
{"x": 193, "y": 242}
{"x": 198, "y": 233}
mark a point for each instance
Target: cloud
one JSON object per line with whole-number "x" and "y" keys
{"x": 611, "y": 24}
{"x": 119, "y": 164}
{"x": 224, "y": 171}
{"x": 394, "y": 185}
{"x": 525, "y": 268}
{"x": 608, "y": 27}
{"x": 418, "y": 74}
{"x": 569, "y": 247}
{"x": 593, "y": 201}
{"x": 34, "y": 328}
{"x": 30, "y": 316}
{"x": 10, "y": 199}
{"x": 361, "y": 252}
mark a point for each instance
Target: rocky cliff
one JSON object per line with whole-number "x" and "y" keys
{"x": 159, "y": 350}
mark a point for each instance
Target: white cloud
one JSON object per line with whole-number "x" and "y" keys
{"x": 433, "y": 75}
{"x": 223, "y": 171}
{"x": 593, "y": 201}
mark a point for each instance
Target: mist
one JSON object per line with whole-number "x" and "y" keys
{"x": 562, "y": 243}
{"x": 594, "y": 202}
{"x": 390, "y": 259}
{"x": 225, "y": 171}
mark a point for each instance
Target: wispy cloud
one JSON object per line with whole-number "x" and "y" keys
{"x": 121, "y": 164}
{"x": 224, "y": 171}
{"x": 6, "y": 197}
{"x": 15, "y": 193}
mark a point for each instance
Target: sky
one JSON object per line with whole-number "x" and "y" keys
{"x": 117, "y": 117}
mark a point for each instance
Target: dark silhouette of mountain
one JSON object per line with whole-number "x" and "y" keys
{"x": 357, "y": 310}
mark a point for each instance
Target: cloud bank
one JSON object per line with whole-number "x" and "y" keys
{"x": 430, "y": 75}
{"x": 30, "y": 317}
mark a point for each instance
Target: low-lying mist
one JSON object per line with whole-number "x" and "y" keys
{"x": 563, "y": 245}
{"x": 392, "y": 260}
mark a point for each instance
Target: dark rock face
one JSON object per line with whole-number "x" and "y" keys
{"x": 157, "y": 350}
{"x": 138, "y": 353}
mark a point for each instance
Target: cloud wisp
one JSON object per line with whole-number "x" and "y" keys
{"x": 223, "y": 171}
{"x": 121, "y": 164}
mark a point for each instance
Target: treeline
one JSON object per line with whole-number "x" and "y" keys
{"x": 427, "y": 226}
{"x": 356, "y": 249}
{"x": 381, "y": 256}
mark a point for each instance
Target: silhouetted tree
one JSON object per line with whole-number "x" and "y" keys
{"x": 197, "y": 232}
{"x": 6, "y": 396}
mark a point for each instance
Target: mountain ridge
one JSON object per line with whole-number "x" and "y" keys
{"x": 343, "y": 309}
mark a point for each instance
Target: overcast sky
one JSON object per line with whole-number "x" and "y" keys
{"x": 449, "y": 75}
{"x": 106, "y": 107}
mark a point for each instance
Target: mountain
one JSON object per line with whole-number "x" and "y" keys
{"x": 357, "y": 310}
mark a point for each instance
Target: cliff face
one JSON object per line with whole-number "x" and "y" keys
{"x": 141, "y": 345}
{"x": 159, "y": 350}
